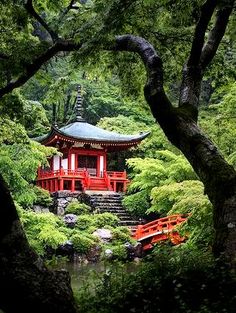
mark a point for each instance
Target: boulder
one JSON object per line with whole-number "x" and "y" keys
{"x": 70, "y": 220}
{"x": 105, "y": 235}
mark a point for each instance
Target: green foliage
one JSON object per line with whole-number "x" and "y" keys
{"x": 86, "y": 221}
{"x": 119, "y": 251}
{"x": 121, "y": 234}
{"x": 83, "y": 242}
{"x": 43, "y": 230}
{"x": 218, "y": 120}
{"x": 149, "y": 172}
{"x": 34, "y": 118}
{"x": 19, "y": 164}
{"x": 100, "y": 220}
{"x": 186, "y": 197}
{"x": 162, "y": 284}
{"x": 43, "y": 197}
{"x": 137, "y": 203}
{"x": 77, "y": 208}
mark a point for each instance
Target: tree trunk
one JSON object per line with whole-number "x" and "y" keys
{"x": 26, "y": 285}
{"x": 218, "y": 177}
{"x": 180, "y": 124}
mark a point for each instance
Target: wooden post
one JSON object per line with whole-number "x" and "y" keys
{"x": 47, "y": 185}
{"x": 73, "y": 185}
{"x": 56, "y": 184}
{"x": 51, "y": 185}
{"x": 61, "y": 184}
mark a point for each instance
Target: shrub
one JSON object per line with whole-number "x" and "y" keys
{"x": 100, "y": 220}
{"x": 77, "y": 208}
{"x": 43, "y": 230}
{"x": 137, "y": 203}
{"x": 119, "y": 251}
{"x": 83, "y": 242}
{"x": 121, "y": 234}
{"x": 43, "y": 197}
{"x": 85, "y": 221}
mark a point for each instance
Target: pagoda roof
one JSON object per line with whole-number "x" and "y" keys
{"x": 81, "y": 131}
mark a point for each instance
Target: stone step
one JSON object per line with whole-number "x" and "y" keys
{"x": 106, "y": 200}
{"x": 107, "y": 208}
{"x": 127, "y": 223}
{"x": 114, "y": 211}
{"x": 125, "y": 218}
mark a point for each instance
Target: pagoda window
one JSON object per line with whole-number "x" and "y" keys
{"x": 72, "y": 161}
{"x": 101, "y": 165}
{"x": 56, "y": 162}
{"x": 89, "y": 162}
{"x": 64, "y": 161}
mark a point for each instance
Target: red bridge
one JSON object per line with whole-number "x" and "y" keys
{"x": 159, "y": 230}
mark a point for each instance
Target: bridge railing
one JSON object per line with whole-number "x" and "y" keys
{"x": 162, "y": 225}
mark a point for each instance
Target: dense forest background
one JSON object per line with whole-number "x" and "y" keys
{"x": 162, "y": 180}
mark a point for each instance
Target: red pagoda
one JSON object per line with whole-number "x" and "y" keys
{"x": 83, "y": 162}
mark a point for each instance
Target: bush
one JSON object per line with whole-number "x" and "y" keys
{"x": 137, "y": 203}
{"x": 121, "y": 234}
{"x": 83, "y": 242}
{"x": 170, "y": 281}
{"x": 77, "y": 208}
{"x": 43, "y": 197}
{"x": 84, "y": 221}
{"x": 100, "y": 220}
{"x": 43, "y": 230}
{"x": 119, "y": 251}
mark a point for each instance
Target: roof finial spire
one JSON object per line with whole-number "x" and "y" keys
{"x": 78, "y": 106}
{"x": 54, "y": 116}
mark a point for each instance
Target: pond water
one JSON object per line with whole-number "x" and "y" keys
{"x": 89, "y": 274}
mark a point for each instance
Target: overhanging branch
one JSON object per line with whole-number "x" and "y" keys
{"x": 207, "y": 11}
{"x": 154, "y": 91}
{"x": 216, "y": 34}
{"x": 30, "y": 9}
{"x": 36, "y": 64}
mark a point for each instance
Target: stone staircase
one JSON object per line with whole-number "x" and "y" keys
{"x": 112, "y": 202}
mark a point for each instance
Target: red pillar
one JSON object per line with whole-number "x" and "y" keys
{"x": 56, "y": 184}
{"x": 73, "y": 185}
{"x": 114, "y": 184}
{"x": 51, "y": 185}
{"x": 61, "y": 184}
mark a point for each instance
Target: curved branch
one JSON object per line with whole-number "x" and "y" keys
{"x": 216, "y": 34}
{"x": 30, "y": 9}
{"x": 200, "y": 56}
{"x": 154, "y": 91}
{"x": 32, "y": 68}
{"x": 207, "y": 11}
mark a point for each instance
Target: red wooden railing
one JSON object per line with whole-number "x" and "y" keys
{"x": 159, "y": 230}
{"x": 53, "y": 180}
{"x": 117, "y": 174}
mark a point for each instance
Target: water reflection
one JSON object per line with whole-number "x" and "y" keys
{"x": 84, "y": 275}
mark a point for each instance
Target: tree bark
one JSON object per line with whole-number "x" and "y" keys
{"x": 26, "y": 285}
{"x": 180, "y": 127}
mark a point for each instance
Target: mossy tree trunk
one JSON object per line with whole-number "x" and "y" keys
{"x": 180, "y": 124}
{"x": 26, "y": 285}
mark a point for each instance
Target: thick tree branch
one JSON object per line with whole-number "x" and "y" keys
{"x": 216, "y": 34}
{"x": 192, "y": 73}
{"x": 200, "y": 31}
{"x": 36, "y": 64}
{"x": 154, "y": 91}
{"x": 201, "y": 55}
{"x": 30, "y": 9}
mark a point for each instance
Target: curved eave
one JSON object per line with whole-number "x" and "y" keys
{"x": 56, "y": 134}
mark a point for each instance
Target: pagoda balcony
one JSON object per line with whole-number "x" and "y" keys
{"x": 81, "y": 180}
